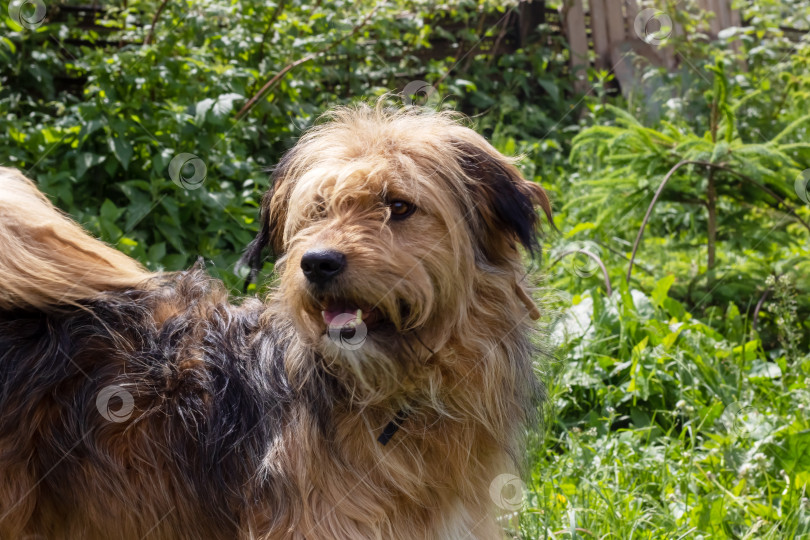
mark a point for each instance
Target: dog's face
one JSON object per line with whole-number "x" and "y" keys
{"x": 384, "y": 225}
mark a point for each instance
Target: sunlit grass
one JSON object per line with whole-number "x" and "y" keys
{"x": 690, "y": 435}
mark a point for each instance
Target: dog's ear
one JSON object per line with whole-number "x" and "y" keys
{"x": 505, "y": 203}
{"x": 273, "y": 214}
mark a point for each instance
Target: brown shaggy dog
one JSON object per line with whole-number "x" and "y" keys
{"x": 377, "y": 393}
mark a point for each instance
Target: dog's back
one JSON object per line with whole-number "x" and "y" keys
{"x": 130, "y": 401}
{"x": 122, "y": 420}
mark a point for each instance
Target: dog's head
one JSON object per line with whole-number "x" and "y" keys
{"x": 387, "y": 226}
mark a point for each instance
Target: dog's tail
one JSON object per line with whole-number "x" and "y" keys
{"x": 46, "y": 259}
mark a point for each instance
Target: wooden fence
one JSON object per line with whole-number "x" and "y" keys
{"x": 602, "y": 33}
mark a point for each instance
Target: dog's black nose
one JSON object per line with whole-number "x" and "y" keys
{"x": 322, "y": 265}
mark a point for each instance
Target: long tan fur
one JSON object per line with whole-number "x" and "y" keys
{"x": 467, "y": 379}
{"x": 46, "y": 259}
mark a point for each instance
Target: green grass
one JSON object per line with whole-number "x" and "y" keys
{"x": 660, "y": 426}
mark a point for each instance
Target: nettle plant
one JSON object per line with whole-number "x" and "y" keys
{"x": 721, "y": 203}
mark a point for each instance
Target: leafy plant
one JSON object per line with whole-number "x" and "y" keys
{"x": 737, "y": 187}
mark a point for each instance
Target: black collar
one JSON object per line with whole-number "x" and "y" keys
{"x": 392, "y": 427}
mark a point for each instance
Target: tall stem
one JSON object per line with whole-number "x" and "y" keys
{"x": 711, "y": 205}
{"x": 151, "y": 33}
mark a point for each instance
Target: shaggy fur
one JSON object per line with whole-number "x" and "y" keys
{"x": 255, "y": 420}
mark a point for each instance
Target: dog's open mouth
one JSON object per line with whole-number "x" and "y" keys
{"x": 348, "y": 316}
{"x": 350, "y": 319}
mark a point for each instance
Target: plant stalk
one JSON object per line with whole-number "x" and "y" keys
{"x": 711, "y": 206}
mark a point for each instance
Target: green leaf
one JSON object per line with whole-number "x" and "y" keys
{"x": 108, "y": 216}
{"x": 89, "y": 127}
{"x": 659, "y": 293}
{"x": 225, "y": 104}
{"x": 109, "y": 211}
{"x": 216, "y": 110}
{"x": 122, "y": 150}
{"x": 85, "y": 161}
{"x": 8, "y": 43}
{"x": 551, "y": 86}
{"x": 202, "y": 108}
{"x": 157, "y": 252}
{"x": 468, "y": 85}
{"x": 173, "y": 234}
{"x": 793, "y": 453}
{"x": 763, "y": 370}
{"x": 720, "y": 152}
{"x": 579, "y": 227}
{"x": 793, "y": 126}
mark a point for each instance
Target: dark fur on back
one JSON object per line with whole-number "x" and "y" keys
{"x": 209, "y": 381}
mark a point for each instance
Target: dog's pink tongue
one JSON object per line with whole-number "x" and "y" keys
{"x": 330, "y": 314}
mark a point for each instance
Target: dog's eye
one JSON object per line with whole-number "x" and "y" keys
{"x": 318, "y": 210}
{"x": 401, "y": 209}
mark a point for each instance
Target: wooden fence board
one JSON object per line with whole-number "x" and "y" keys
{"x": 615, "y": 22}
{"x": 630, "y": 12}
{"x": 599, "y": 31}
{"x": 714, "y": 22}
{"x": 574, "y": 24}
{"x": 736, "y": 20}
{"x": 725, "y": 13}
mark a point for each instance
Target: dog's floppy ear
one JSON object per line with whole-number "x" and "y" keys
{"x": 505, "y": 203}
{"x": 273, "y": 214}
